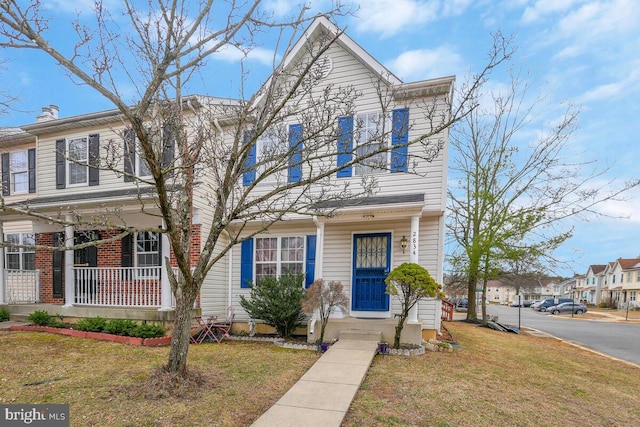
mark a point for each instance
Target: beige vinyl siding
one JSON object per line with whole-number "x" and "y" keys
{"x": 11, "y": 227}
{"x": 430, "y": 177}
{"x": 46, "y": 155}
{"x": 299, "y": 228}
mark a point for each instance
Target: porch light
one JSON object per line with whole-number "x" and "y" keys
{"x": 403, "y": 243}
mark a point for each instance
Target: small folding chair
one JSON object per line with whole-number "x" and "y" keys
{"x": 202, "y": 329}
{"x": 221, "y": 329}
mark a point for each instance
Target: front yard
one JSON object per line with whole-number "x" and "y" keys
{"x": 496, "y": 379}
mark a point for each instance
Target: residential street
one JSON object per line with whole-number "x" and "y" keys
{"x": 614, "y": 338}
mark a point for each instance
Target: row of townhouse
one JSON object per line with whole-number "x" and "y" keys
{"x": 49, "y": 167}
{"x": 615, "y": 284}
{"x": 499, "y": 292}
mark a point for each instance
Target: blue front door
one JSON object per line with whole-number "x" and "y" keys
{"x": 371, "y": 259}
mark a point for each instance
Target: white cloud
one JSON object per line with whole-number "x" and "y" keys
{"x": 387, "y": 17}
{"x": 426, "y": 63}
{"x": 543, "y": 8}
{"x": 230, "y": 53}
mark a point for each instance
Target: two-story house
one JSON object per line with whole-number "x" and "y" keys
{"x": 594, "y": 280}
{"x": 357, "y": 243}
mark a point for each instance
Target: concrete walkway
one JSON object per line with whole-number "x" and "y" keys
{"x": 324, "y": 393}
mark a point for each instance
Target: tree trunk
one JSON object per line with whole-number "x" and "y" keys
{"x": 471, "y": 298}
{"x": 181, "y": 333}
{"x": 399, "y": 327}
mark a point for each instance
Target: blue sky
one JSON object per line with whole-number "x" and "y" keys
{"x": 579, "y": 51}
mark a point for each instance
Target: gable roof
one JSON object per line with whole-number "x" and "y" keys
{"x": 597, "y": 268}
{"x": 321, "y": 25}
{"x": 629, "y": 263}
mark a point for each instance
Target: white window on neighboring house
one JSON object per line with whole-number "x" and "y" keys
{"x": 77, "y": 160}
{"x": 632, "y": 296}
{"x": 370, "y": 135}
{"x": 18, "y": 165}
{"x": 147, "y": 253}
{"x": 275, "y": 256}
{"x": 17, "y": 258}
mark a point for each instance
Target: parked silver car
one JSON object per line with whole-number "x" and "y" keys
{"x": 567, "y": 307}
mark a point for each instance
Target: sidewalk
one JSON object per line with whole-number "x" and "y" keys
{"x": 324, "y": 393}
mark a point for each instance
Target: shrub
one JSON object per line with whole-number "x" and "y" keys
{"x": 148, "y": 330}
{"x": 325, "y": 297}
{"x": 120, "y": 327}
{"x": 4, "y": 314}
{"x": 278, "y": 302}
{"x": 91, "y": 324}
{"x": 40, "y": 318}
{"x": 602, "y": 305}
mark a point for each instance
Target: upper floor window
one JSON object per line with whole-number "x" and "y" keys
{"x": 135, "y": 163}
{"x": 77, "y": 161}
{"x": 19, "y": 172}
{"x": 17, "y": 258}
{"x": 367, "y": 136}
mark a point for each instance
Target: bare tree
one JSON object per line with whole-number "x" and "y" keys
{"x": 215, "y": 139}
{"x": 510, "y": 194}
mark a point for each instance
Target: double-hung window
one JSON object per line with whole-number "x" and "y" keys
{"x": 270, "y": 150}
{"x": 275, "y": 256}
{"x": 17, "y": 258}
{"x": 77, "y": 160}
{"x": 147, "y": 253}
{"x": 371, "y": 135}
{"x": 18, "y": 166}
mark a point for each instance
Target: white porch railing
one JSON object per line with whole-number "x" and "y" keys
{"x": 22, "y": 286}
{"x": 118, "y": 286}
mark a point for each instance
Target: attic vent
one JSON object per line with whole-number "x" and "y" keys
{"x": 322, "y": 67}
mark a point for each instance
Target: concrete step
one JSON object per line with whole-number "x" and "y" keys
{"x": 360, "y": 335}
{"x": 19, "y": 317}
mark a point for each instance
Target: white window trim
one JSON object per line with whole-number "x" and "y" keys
{"x": 279, "y": 254}
{"x": 12, "y": 172}
{"x": 20, "y": 251}
{"x": 386, "y": 129}
{"x": 139, "y": 273}
{"x": 69, "y": 162}
{"x": 278, "y": 136}
{"x": 139, "y": 157}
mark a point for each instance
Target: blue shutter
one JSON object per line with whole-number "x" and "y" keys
{"x": 345, "y": 144}
{"x": 295, "y": 146}
{"x": 246, "y": 264}
{"x": 400, "y": 136}
{"x": 311, "y": 261}
{"x": 250, "y": 171}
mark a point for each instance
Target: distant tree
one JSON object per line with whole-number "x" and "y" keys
{"x": 511, "y": 188}
{"x": 325, "y": 297}
{"x": 409, "y": 283}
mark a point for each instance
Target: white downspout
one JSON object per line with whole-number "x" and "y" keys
{"x": 216, "y": 123}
